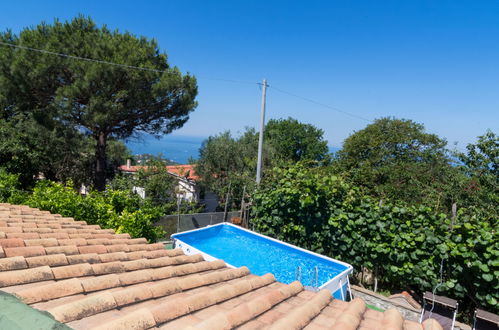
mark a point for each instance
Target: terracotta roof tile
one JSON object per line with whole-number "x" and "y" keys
{"x": 99, "y": 235}
{"x": 117, "y": 248}
{"x": 137, "y": 241}
{"x": 27, "y": 251}
{"x": 50, "y": 291}
{"x": 270, "y": 317}
{"x": 135, "y": 255}
{"x": 100, "y": 282}
{"x": 11, "y": 229}
{"x": 392, "y": 319}
{"x": 90, "y": 277}
{"x": 163, "y": 253}
{"x": 99, "y": 249}
{"x": 11, "y": 242}
{"x": 37, "y": 230}
{"x": 55, "y": 235}
{"x": 81, "y": 235}
{"x": 131, "y": 295}
{"x": 118, "y": 241}
{"x": 116, "y": 256}
{"x": 66, "y": 249}
{"x": 12, "y": 263}
{"x": 84, "y": 307}
{"x": 98, "y": 241}
{"x": 108, "y": 268}
{"x": 108, "y": 231}
{"x": 66, "y": 230}
{"x": 46, "y": 242}
{"x": 135, "y": 264}
{"x": 125, "y": 235}
{"x": 25, "y": 224}
{"x": 138, "y": 276}
{"x": 90, "y": 258}
{"x": 411, "y": 325}
{"x": 47, "y": 260}
{"x": 73, "y": 241}
{"x": 70, "y": 271}
{"x": 29, "y": 275}
{"x": 23, "y": 235}
{"x": 372, "y": 314}
{"x": 138, "y": 247}
{"x": 302, "y": 315}
{"x": 139, "y": 319}
{"x": 351, "y": 317}
{"x": 50, "y": 225}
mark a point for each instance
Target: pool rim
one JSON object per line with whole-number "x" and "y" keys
{"x": 327, "y": 285}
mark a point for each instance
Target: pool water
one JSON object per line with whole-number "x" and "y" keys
{"x": 241, "y": 248}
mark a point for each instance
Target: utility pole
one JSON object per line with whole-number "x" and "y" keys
{"x": 260, "y": 139}
{"x": 227, "y": 203}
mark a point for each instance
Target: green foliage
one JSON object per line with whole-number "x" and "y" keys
{"x": 226, "y": 159}
{"x": 10, "y": 188}
{"x": 160, "y": 187}
{"x": 28, "y": 148}
{"x": 480, "y": 164}
{"x": 104, "y": 101}
{"x": 402, "y": 245}
{"x": 294, "y": 141}
{"x": 120, "y": 210}
{"x": 396, "y": 159}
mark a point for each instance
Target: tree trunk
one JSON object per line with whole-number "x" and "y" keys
{"x": 100, "y": 162}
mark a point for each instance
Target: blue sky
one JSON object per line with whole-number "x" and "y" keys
{"x": 435, "y": 62}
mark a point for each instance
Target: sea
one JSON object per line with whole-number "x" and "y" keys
{"x": 176, "y": 148}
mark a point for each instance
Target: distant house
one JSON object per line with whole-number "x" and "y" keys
{"x": 187, "y": 189}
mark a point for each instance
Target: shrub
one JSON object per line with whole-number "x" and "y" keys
{"x": 402, "y": 245}
{"x": 122, "y": 211}
{"x": 10, "y": 191}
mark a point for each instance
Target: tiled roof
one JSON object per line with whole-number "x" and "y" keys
{"x": 92, "y": 278}
{"x": 185, "y": 171}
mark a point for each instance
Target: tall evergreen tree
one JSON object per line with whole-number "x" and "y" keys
{"x": 94, "y": 97}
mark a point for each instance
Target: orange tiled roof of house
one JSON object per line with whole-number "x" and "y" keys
{"x": 92, "y": 278}
{"x": 186, "y": 171}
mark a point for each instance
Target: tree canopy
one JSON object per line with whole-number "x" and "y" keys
{"x": 294, "y": 141}
{"x": 227, "y": 159}
{"x": 397, "y": 159}
{"x": 480, "y": 164}
{"x": 93, "y": 97}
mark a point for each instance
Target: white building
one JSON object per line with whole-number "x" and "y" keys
{"x": 187, "y": 188}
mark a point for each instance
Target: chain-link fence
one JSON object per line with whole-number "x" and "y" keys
{"x": 192, "y": 221}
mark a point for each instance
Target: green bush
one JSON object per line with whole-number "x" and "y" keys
{"x": 402, "y": 246}
{"x": 122, "y": 211}
{"x": 10, "y": 191}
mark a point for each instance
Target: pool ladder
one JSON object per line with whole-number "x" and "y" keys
{"x": 314, "y": 281}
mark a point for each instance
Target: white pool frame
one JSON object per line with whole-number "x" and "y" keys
{"x": 336, "y": 283}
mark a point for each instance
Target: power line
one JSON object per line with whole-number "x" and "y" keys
{"x": 319, "y": 103}
{"x": 228, "y": 80}
{"x": 126, "y": 66}
{"x": 79, "y": 57}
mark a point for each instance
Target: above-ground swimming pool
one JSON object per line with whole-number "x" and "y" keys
{"x": 261, "y": 254}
